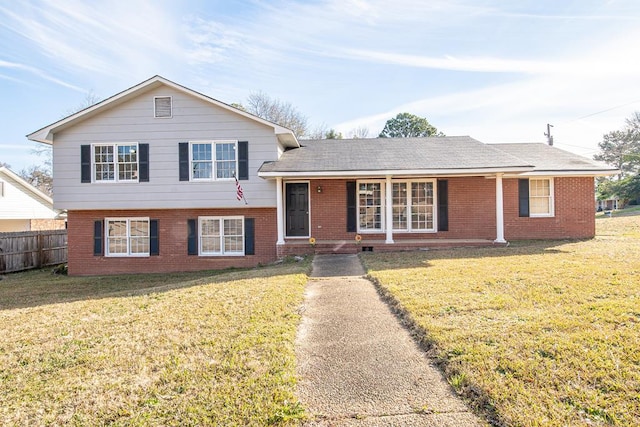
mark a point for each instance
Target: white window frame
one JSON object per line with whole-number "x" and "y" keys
{"x": 382, "y": 206}
{"x": 128, "y": 237}
{"x": 214, "y": 161}
{"x": 383, "y": 222}
{"x": 155, "y": 105}
{"x": 223, "y": 251}
{"x": 409, "y": 206}
{"x": 550, "y": 197}
{"x": 116, "y": 163}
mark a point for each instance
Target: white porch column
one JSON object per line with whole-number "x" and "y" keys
{"x": 388, "y": 217}
{"x": 499, "y": 211}
{"x": 279, "y": 211}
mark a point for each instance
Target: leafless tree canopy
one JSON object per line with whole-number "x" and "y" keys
{"x": 276, "y": 111}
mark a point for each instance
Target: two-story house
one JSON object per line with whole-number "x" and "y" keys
{"x": 150, "y": 179}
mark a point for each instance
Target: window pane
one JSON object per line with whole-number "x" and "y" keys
{"x": 370, "y": 206}
{"x": 540, "y": 196}
{"x": 400, "y": 206}
{"x": 233, "y": 236}
{"x": 117, "y": 237}
{"x": 104, "y": 163}
{"x": 139, "y": 232}
{"x": 201, "y": 161}
{"x": 127, "y": 162}
{"x": 225, "y": 160}
{"x": 421, "y": 205}
{"x": 210, "y": 236}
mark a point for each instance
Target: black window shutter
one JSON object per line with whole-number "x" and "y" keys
{"x": 249, "y": 236}
{"x": 243, "y": 160}
{"x": 154, "y": 238}
{"x": 523, "y": 197}
{"x": 85, "y": 163}
{"x": 183, "y": 160}
{"x": 143, "y": 162}
{"x": 443, "y": 205}
{"x": 352, "y": 209}
{"x": 97, "y": 238}
{"x": 192, "y": 239}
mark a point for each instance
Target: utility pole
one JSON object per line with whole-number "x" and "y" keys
{"x": 548, "y": 134}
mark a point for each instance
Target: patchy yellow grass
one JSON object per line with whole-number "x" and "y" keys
{"x": 535, "y": 334}
{"x": 191, "y": 349}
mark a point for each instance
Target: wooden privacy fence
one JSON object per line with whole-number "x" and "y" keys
{"x": 32, "y": 249}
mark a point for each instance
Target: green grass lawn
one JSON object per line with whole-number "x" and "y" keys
{"x": 534, "y": 334}
{"x": 212, "y": 348}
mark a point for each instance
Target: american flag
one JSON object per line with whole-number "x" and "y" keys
{"x": 239, "y": 192}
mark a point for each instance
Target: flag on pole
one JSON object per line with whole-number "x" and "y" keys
{"x": 239, "y": 192}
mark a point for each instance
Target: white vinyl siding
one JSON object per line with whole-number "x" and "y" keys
{"x": 541, "y": 197}
{"x": 115, "y": 162}
{"x": 133, "y": 121}
{"x": 221, "y": 235}
{"x": 213, "y": 160}
{"x": 127, "y": 236}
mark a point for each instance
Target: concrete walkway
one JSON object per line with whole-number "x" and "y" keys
{"x": 357, "y": 366}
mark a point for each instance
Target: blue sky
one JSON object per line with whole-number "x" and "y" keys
{"x": 498, "y": 71}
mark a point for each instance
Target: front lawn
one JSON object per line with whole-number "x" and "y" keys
{"x": 181, "y": 349}
{"x": 537, "y": 333}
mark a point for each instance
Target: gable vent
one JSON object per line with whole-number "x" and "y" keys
{"x": 162, "y": 106}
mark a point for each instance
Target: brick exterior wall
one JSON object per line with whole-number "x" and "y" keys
{"x": 471, "y": 216}
{"x": 574, "y": 212}
{"x": 472, "y": 211}
{"x": 172, "y": 225}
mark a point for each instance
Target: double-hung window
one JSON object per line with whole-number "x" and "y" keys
{"x": 213, "y": 160}
{"x": 115, "y": 162}
{"x": 541, "y": 197}
{"x": 413, "y": 205}
{"x": 127, "y": 236}
{"x": 370, "y": 206}
{"x": 221, "y": 235}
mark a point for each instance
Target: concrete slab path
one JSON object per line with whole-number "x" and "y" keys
{"x": 358, "y": 366}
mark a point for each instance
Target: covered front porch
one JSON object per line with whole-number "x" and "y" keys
{"x": 328, "y": 215}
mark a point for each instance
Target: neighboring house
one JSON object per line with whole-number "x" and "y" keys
{"x": 148, "y": 178}
{"x": 607, "y": 205}
{"x": 23, "y": 207}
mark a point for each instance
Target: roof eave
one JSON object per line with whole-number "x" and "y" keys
{"x": 45, "y": 134}
{"x": 574, "y": 173}
{"x": 396, "y": 172}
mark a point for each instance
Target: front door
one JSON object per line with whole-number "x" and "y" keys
{"x": 297, "y": 209}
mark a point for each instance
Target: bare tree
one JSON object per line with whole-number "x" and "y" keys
{"x": 279, "y": 112}
{"x": 40, "y": 177}
{"x": 360, "y": 132}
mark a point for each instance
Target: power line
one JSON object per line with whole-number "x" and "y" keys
{"x": 602, "y": 111}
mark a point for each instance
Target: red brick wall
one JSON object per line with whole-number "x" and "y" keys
{"x": 472, "y": 211}
{"x": 173, "y": 256}
{"x": 574, "y": 212}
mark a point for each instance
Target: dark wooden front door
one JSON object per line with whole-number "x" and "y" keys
{"x": 297, "y": 209}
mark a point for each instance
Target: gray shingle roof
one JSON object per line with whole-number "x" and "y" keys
{"x": 433, "y": 155}
{"x": 551, "y": 159}
{"x": 393, "y": 154}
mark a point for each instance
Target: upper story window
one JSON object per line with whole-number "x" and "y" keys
{"x": 213, "y": 160}
{"x": 162, "y": 107}
{"x": 541, "y": 197}
{"x": 115, "y": 162}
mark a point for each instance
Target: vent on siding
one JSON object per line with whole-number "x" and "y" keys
{"x": 162, "y": 106}
{"x": 1, "y": 189}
